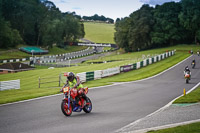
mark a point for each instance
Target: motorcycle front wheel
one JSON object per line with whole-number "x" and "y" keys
{"x": 88, "y": 106}
{"x": 64, "y": 107}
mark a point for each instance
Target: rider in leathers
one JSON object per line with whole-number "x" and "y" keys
{"x": 74, "y": 82}
{"x": 187, "y": 70}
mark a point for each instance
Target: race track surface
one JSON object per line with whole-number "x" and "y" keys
{"x": 113, "y": 106}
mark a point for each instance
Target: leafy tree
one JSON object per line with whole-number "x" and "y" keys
{"x": 134, "y": 32}
{"x": 47, "y": 12}
{"x": 8, "y": 37}
{"x": 117, "y": 20}
{"x": 189, "y": 17}
{"x": 141, "y": 27}
{"x": 73, "y": 29}
{"x": 96, "y": 17}
{"x": 167, "y": 29}
{"x": 53, "y": 33}
{"x": 37, "y": 22}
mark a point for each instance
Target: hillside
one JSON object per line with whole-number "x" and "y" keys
{"x": 99, "y": 32}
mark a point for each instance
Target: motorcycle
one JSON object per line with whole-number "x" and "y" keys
{"x": 193, "y": 65}
{"x": 74, "y": 102}
{"x": 187, "y": 77}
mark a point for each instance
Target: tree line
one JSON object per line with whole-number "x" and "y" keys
{"x": 37, "y": 22}
{"x": 96, "y": 17}
{"x": 163, "y": 25}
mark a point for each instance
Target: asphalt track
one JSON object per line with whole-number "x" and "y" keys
{"x": 113, "y": 106}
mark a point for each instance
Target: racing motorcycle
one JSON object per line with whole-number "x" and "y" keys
{"x": 74, "y": 102}
{"x": 187, "y": 77}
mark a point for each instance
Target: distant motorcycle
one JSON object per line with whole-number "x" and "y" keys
{"x": 193, "y": 65}
{"x": 71, "y": 104}
{"x": 187, "y": 77}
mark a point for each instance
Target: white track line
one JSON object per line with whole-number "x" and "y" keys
{"x": 97, "y": 87}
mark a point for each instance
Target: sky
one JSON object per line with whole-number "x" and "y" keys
{"x": 109, "y": 8}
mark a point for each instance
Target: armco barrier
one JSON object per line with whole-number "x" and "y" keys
{"x": 110, "y": 71}
{"x": 158, "y": 58}
{"x": 89, "y": 76}
{"x": 82, "y": 76}
{"x": 150, "y": 60}
{"x": 155, "y": 59}
{"x": 126, "y": 68}
{"x": 11, "y": 84}
{"x": 97, "y": 74}
{"x": 138, "y": 65}
{"x": 141, "y": 64}
{"x": 134, "y": 66}
{"x": 145, "y": 62}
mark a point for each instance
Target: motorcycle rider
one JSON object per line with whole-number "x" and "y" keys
{"x": 187, "y": 70}
{"x": 74, "y": 82}
{"x": 193, "y": 61}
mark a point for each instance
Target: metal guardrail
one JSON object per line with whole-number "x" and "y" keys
{"x": 11, "y": 84}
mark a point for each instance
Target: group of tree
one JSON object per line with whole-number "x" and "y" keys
{"x": 96, "y": 17}
{"x": 36, "y": 22}
{"x": 163, "y": 25}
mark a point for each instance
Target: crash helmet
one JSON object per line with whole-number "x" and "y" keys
{"x": 70, "y": 76}
{"x": 187, "y": 69}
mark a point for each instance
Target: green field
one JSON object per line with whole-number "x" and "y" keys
{"x": 190, "y": 128}
{"x": 29, "y": 79}
{"x": 99, "y": 32}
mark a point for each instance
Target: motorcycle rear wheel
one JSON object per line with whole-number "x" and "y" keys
{"x": 64, "y": 107}
{"x": 88, "y": 107}
{"x": 187, "y": 81}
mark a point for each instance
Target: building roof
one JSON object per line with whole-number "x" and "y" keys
{"x": 15, "y": 66}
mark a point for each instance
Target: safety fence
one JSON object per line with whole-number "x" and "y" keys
{"x": 98, "y": 74}
{"x": 11, "y": 84}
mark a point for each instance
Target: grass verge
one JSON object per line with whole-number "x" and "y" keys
{"x": 192, "y": 97}
{"x": 190, "y": 128}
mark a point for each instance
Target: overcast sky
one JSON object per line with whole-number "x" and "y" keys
{"x": 108, "y": 8}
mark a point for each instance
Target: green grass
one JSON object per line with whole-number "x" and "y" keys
{"x": 99, "y": 32}
{"x": 192, "y": 97}
{"x": 190, "y": 128}
{"x": 14, "y": 55}
{"x": 53, "y": 51}
{"x": 29, "y": 79}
